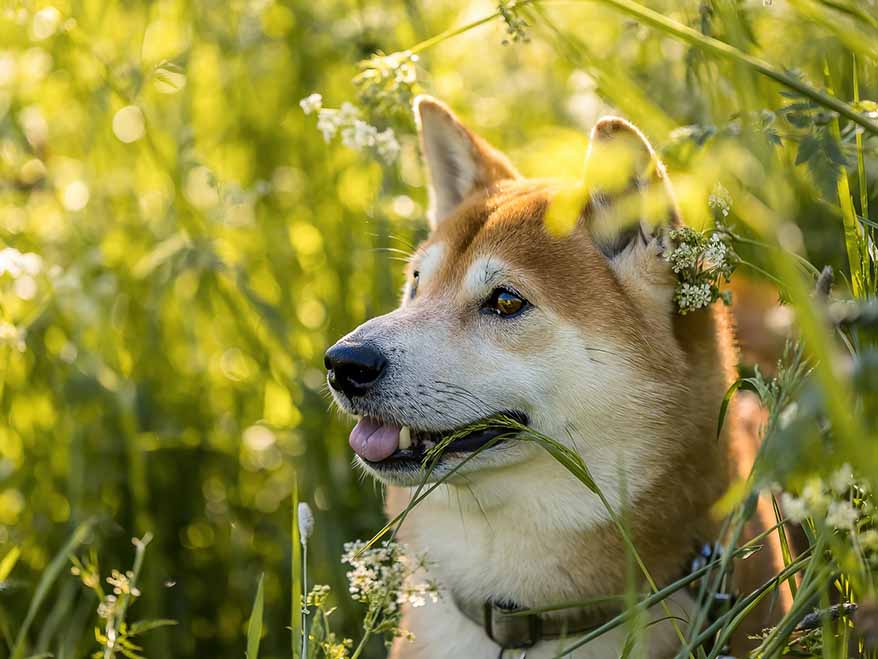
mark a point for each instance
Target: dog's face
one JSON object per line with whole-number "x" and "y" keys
{"x": 570, "y": 333}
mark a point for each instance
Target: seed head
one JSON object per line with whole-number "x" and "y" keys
{"x": 306, "y": 522}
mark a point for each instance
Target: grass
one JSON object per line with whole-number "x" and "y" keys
{"x": 790, "y": 130}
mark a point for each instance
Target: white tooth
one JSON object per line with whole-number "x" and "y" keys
{"x": 405, "y": 438}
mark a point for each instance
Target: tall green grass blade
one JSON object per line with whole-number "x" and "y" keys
{"x": 8, "y": 562}
{"x": 254, "y": 627}
{"x": 786, "y": 554}
{"x": 852, "y": 230}
{"x": 861, "y": 162}
{"x": 47, "y": 580}
{"x": 297, "y": 622}
{"x": 724, "y": 408}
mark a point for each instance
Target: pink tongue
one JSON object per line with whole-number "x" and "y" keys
{"x": 374, "y": 441}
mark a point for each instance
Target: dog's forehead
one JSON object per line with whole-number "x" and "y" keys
{"x": 503, "y": 229}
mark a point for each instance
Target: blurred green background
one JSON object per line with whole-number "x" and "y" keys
{"x": 199, "y": 246}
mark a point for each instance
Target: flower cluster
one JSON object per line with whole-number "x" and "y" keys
{"x": 720, "y": 200}
{"x": 383, "y": 577}
{"x": 122, "y": 583}
{"x": 841, "y": 502}
{"x": 13, "y": 336}
{"x": 20, "y": 276}
{"x": 516, "y": 26}
{"x": 355, "y": 132}
{"x": 23, "y": 269}
{"x": 701, "y": 264}
{"x": 387, "y": 83}
{"x": 17, "y": 264}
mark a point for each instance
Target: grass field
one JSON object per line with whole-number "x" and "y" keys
{"x": 185, "y": 227}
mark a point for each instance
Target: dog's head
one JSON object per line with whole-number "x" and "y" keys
{"x": 569, "y": 330}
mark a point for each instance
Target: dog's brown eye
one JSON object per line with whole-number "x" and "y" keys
{"x": 505, "y": 303}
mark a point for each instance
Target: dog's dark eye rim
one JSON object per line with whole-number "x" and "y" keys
{"x": 505, "y": 303}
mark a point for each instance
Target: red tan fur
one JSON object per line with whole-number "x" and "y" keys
{"x": 604, "y": 359}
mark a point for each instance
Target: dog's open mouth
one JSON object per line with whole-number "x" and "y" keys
{"x": 384, "y": 444}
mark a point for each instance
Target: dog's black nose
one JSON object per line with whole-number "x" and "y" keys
{"x": 353, "y": 367}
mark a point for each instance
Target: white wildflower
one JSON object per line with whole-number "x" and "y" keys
{"x": 418, "y": 594}
{"x": 403, "y": 66}
{"x": 13, "y": 336}
{"x": 814, "y": 496}
{"x": 382, "y": 577}
{"x": 693, "y": 296}
{"x": 842, "y": 515}
{"x": 311, "y": 104}
{"x": 793, "y": 508}
{"x": 716, "y": 251}
{"x": 121, "y": 583}
{"x": 348, "y": 113}
{"x": 720, "y": 200}
{"x": 841, "y": 479}
{"x": 17, "y": 264}
{"x": 682, "y": 258}
{"x": 328, "y": 122}
{"x": 387, "y": 145}
{"x": 359, "y": 135}
{"x": 306, "y": 522}
{"x": 788, "y": 415}
{"x": 107, "y": 608}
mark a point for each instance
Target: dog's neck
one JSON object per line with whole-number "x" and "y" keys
{"x": 553, "y": 541}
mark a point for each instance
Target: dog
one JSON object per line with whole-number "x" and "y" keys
{"x": 573, "y": 333}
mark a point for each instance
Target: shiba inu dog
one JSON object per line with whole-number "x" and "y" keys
{"x": 573, "y": 333}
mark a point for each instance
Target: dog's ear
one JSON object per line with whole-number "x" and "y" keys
{"x": 458, "y": 161}
{"x": 631, "y": 201}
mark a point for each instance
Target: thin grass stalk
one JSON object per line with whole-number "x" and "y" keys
{"x": 254, "y": 626}
{"x": 729, "y": 622}
{"x": 649, "y": 602}
{"x": 50, "y": 575}
{"x": 417, "y": 497}
{"x": 749, "y": 547}
{"x": 847, "y": 428}
{"x": 786, "y": 554}
{"x": 853, "y": 240}
{"x": 139, "y": 554}
{"x": 871, "y": 273}
{"x": 298, "y": 612}
{"x": 808, "y": 594}
{"x": 703, "y": 604}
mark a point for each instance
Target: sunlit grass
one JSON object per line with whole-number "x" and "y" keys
{"x": 186, "y": 246}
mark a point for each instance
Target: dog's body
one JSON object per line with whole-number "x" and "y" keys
{"x": 577, "y": 335}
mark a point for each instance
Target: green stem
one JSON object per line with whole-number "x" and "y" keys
{"x": 453, "y": 32}
{"x": 762, "y": 272}
{"x": 727, "y": 51}
{"x": 805, "y": 263}
{"x": 693, "y": 38}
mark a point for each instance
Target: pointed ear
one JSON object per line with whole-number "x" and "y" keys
{"x": 631, "y": 197}
{"x": 458, "y": 161}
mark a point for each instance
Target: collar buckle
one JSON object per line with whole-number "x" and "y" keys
{"x": 510, "y": 629}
